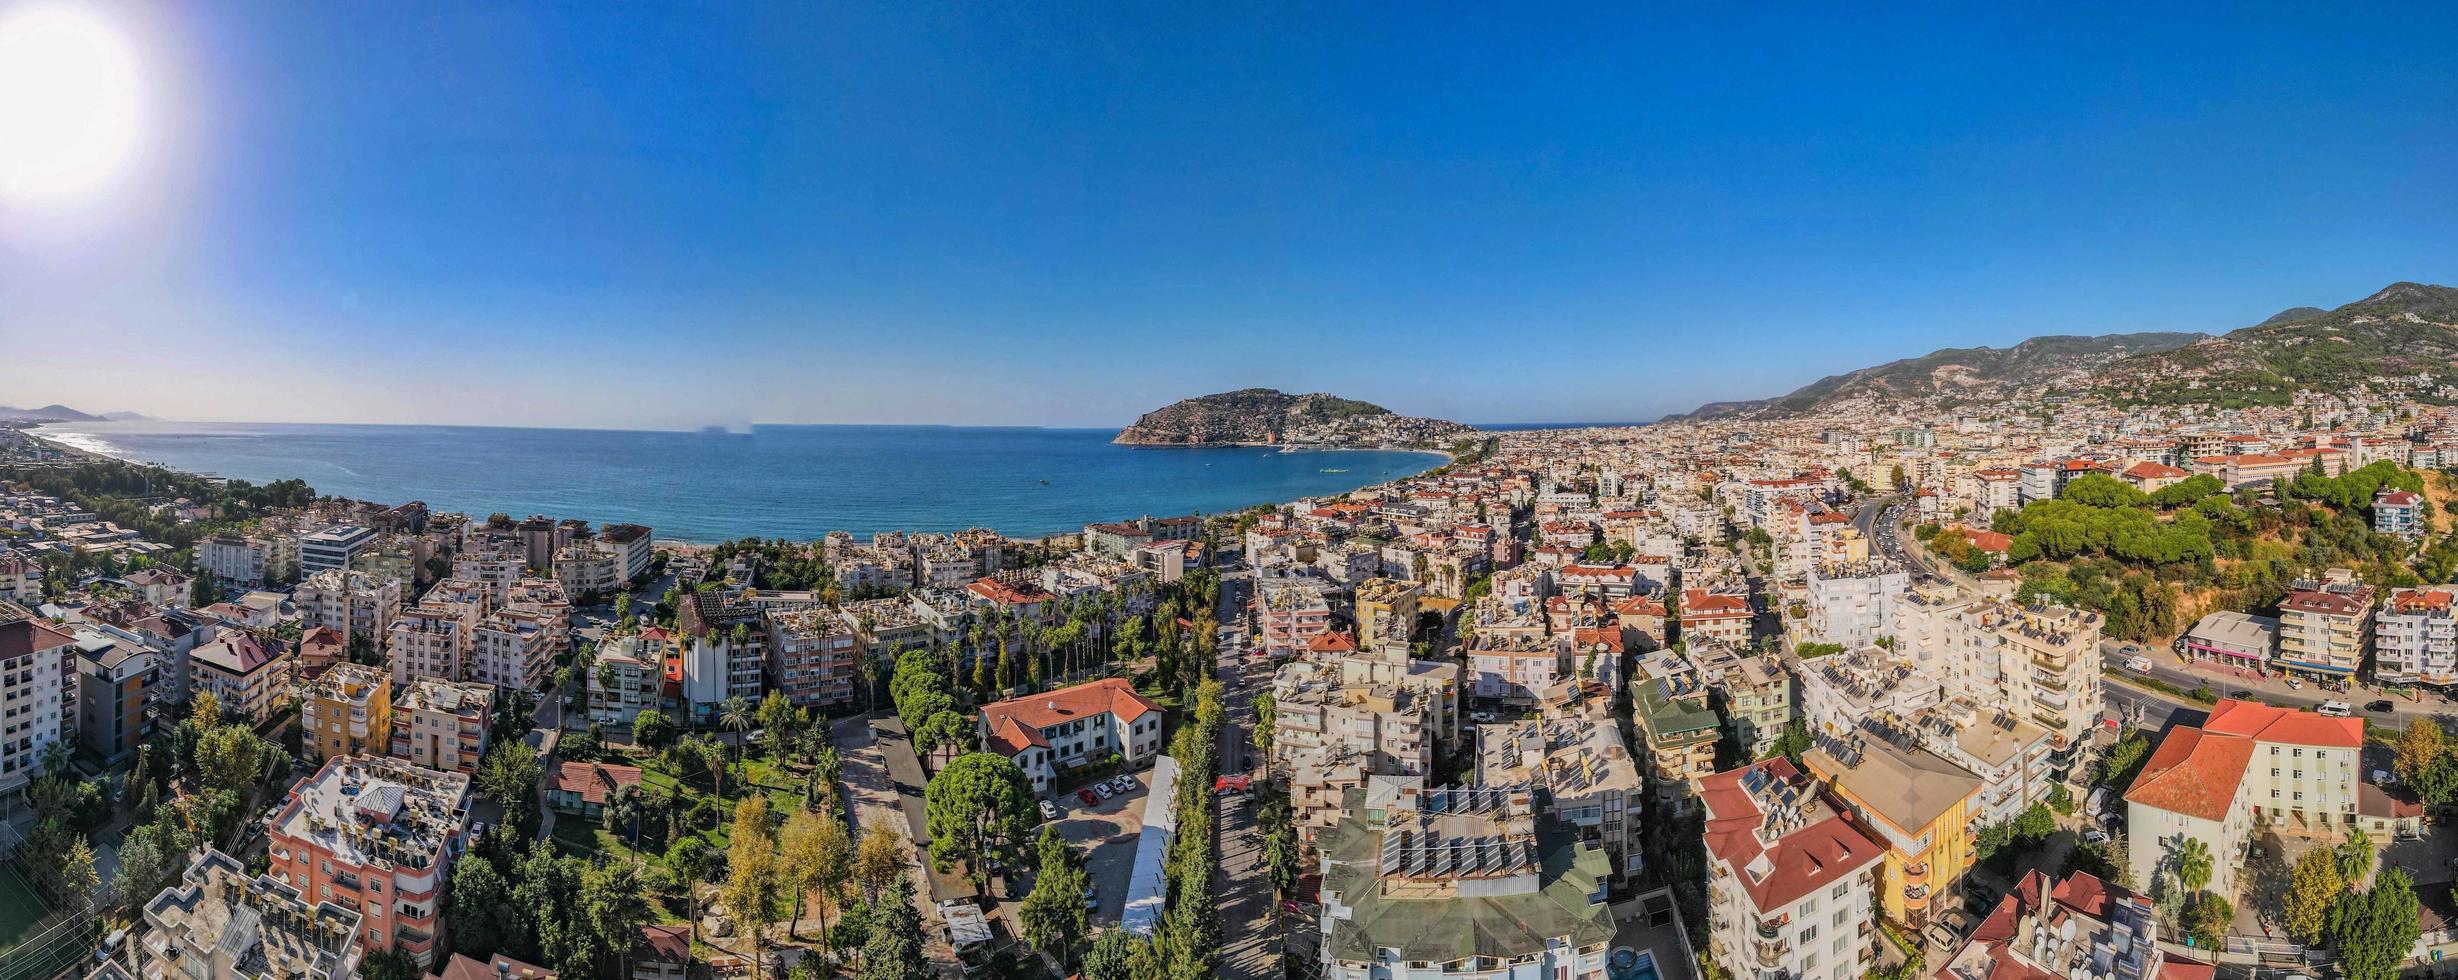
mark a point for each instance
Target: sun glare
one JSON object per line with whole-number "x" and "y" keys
{"x": 70, "y": 106}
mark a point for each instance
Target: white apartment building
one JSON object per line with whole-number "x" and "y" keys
{"x": 1854, "y": 603}
{"x": 512, "y": 649}
{"x": 2041, "y": 663}
{"x": 631, "y": 546}
{"x": 431, "y": 639}
{"x": 333, "y": 548}
{"x": 354, "y": 604}
{"x": 235, "y": 560}
{"x": 624, "y": 681}
{"x": 2415, "y": 638}
{"x": 1789, "y": 878}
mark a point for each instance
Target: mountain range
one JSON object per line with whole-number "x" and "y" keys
{"x": 2406, "y": 330}
{"x": 63, "y": 413}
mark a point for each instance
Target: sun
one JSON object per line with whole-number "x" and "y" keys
{"x": 71, "y": 106}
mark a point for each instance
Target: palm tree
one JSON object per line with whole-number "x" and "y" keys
{"x": 2193, "y": 864}
{"x": 735, "y": 714}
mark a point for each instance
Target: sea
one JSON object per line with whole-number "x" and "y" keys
{"x": 772, "y": 481}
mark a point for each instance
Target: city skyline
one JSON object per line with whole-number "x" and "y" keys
{"x": 1067, "y": 216}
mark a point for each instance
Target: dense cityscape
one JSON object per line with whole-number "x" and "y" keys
{"x": 2046, "y": 685}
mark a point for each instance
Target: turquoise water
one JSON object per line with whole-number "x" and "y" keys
{"x": 797, "y": 481}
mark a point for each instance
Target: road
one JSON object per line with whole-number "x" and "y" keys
{"x": 2228, "y": 682}
{"x": 1251, "y": 949}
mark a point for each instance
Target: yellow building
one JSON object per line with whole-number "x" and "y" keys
{"x": 1915, "y": 803}
{"x": 348, "y": 710}
{"x": 1386, "y": 607}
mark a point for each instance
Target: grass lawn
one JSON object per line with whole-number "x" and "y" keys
{"x": 20, "y": 908}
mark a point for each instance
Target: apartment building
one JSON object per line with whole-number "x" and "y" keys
{"x": 2040, "y": 662}
{"x": 1853, "y": 604}
{"x": 1460, "y": 883}
{"x": 441, "y": 724}
{"x": 2415, "y": 638}
{"x": 1386, "y": 607}
{"x": 1330, "y": 737}
{"x": 115, "y": 681}
{"x": 2399, "y": 512}
{"x": 588, "y": 570}
{"x": 513, "y": 649}
{"x": 1585, "y": 771}
{"x": 1046, "y": 734}
{"x": 333, "y": 548}
{"x": 1916, "y": 803}
{"x": 431, "y": 640}
{"x": 1512, "y": 667}
{"x": 813, "y": 656}
{"x": 247, "y": 561}
{"x": 347, "y": 710}
{"x": 632, "y": 546}
{"x": 625, "y": 680}
{"x": 355, "y": 604}
{"x": 1789, "y": 877}
{"x": 376, "y": 835}
{"x": 1677, "y": 733}
{"x": 2298, "y": 769}
{"x": 1720, "y": 616}
{"x": 1290, "y": 612}
{"x": 218, "y": 923}
{"x": 2326, "y": 626}
{"x": 249, "y": 673}
{"x": 725, "y": 650}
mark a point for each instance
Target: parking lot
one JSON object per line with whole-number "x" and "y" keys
{"x": 1106, "y": 833}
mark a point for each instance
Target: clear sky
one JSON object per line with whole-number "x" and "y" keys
{"x": 619, "y": 214}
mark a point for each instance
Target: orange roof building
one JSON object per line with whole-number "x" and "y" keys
{"x": 2248, "y": 760}
{"x": 1049, "y": 733}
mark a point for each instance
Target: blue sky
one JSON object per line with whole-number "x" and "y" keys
{"x": 628, "y": 214}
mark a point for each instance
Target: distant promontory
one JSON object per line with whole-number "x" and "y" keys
{"x": 1265, "y": 417}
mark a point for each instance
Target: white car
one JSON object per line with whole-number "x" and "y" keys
{"x": 1049, "y": 810}
{"x": 2335, "y": 709}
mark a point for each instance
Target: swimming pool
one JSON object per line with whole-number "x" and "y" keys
{"x": 1632, "y": 964}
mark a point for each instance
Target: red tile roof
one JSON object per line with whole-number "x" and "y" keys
{"x": 1802, "y": 861}
{"x": 2194, "y": 772}
{"x": 2264, "y": 723}
{"x": 595, "y": 781}
{"x": 1016, "y": 723}
{"x": 1331, "y": 643}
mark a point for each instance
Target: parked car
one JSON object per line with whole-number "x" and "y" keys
{"x": 2381, "y": 707}
{"x": 2095, "y": 836}
{"x": 1088, "y": 796}
{"x": 2334, "y": 709}
{"x": 1049, "y": 810}
{"x": 2240, "y": 694}
{"x": 1104, "y": 789}
{"x": 1231, "y": 784}
{"x": 1125, "y": 784}
{"x": 1483, "y": 717}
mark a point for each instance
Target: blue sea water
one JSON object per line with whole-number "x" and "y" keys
{"x": 789, "y": 481}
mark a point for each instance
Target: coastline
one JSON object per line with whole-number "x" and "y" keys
{"x": 1443, "y": 458}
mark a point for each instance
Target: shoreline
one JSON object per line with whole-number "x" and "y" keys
{"x": 1447, "y": 458}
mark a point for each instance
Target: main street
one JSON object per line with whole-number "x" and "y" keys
{"x": 1251, "y": 947}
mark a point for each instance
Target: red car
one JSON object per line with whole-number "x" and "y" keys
{"x": 1230, "y": 784}
{"x": 1088, "y": 796}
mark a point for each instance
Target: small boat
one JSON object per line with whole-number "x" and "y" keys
{"x": 1331, "y": 471}
{"x": 1045, "y": 483}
